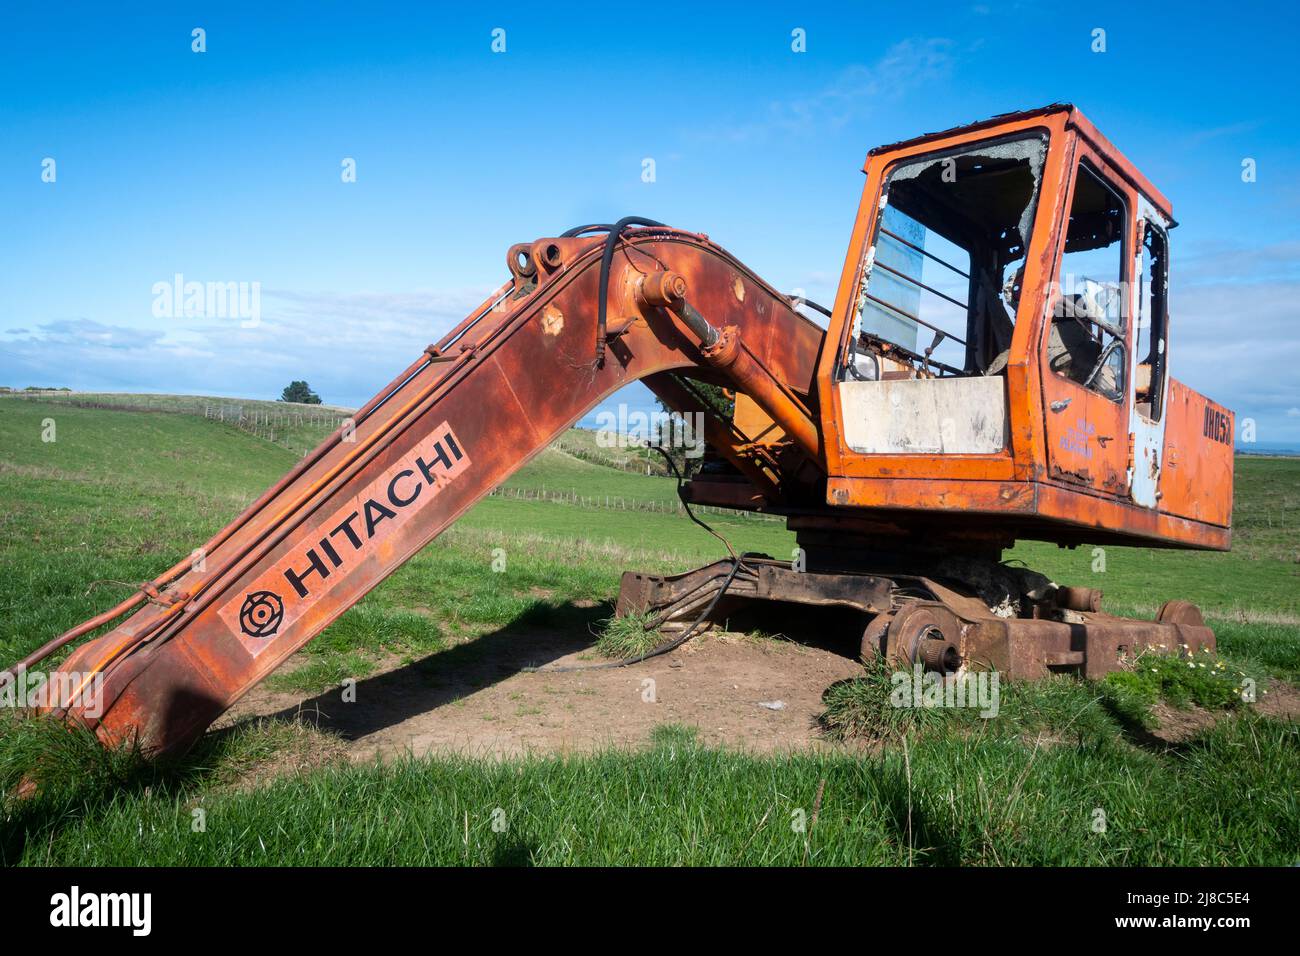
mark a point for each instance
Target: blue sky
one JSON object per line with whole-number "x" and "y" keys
{"x": 225, "y": 166}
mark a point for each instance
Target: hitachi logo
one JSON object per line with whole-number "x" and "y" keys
{"x": 350, "y": 535}
{"x": 354, "y": 531}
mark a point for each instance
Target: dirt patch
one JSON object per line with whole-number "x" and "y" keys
{"x": 498, "y": 695}
{"x": 1178, "y": 723}
{"x": 481, "y": 698}
{"x": 1282, "y": 701}
{"x": 273, "y": 749}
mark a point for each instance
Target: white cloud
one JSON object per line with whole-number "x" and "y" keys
{"x": 1234, "y": 315}
{"x": 904, "y": 66}
{"x": 347, "y": 346}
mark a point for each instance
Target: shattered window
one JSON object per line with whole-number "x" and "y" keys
{"x": 942, "y": 279}
{"x": 1086, "y": 340}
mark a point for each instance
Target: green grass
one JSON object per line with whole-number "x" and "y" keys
{"x": 120, "y": 496}
{"x": 943, "y": 800}
{"x": 861, "y": 708}
{"x": 296, "y": 428}
{"x": 1272, "y": 649}
{"x": 627, "y": 636}
{"x": 591, "y": 445}
{"x": 868, "y": 707}
{"x": 1201, "y": 679}
{"x": 675, "y": 736}
{"x": 557, "y": 472}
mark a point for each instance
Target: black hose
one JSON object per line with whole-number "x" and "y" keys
{"x": 614, "y": 232}
{"x": 667, "y": 646}
{"x": 579, "y": 230}
{"x": 606, "y": 260}
{"x": 814, "y": 306}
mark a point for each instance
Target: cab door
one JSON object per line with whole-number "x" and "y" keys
{"x": 1085, "y": 343}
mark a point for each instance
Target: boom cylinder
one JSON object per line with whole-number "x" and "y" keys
{"x": 724, "y": 350}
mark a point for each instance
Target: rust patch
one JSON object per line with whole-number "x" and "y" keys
{"x": 552, "y": 320}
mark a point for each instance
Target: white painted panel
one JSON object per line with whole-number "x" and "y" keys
{"x": 959, "y": 416}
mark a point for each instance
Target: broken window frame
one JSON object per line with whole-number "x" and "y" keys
{"x": 1118, "y": 332}
{"x": 1156, "y": 299}
{"x": 844, "y": 368}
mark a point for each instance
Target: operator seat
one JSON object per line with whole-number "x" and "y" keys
{"x": 1072, "y": 348}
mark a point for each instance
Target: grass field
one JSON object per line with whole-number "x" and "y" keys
{"x": 121, "y": 495}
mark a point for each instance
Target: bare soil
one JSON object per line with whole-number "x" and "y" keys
{"x": 499, "y": 696}
{"x": 1279, "y": 700}
{"x": 482, "y": 698}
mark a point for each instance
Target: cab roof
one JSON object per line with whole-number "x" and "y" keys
{"x": 1075, "y": 121}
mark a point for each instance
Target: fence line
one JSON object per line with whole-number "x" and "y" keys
{"x": 263, "y": 419}
{"x": 635, "y": 465}
{"x": 620, "y": 503}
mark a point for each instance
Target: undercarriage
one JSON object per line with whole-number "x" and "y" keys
{"x": 957, "y": 614}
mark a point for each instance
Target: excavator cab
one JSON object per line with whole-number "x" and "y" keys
{"x": 1000, "y": 347}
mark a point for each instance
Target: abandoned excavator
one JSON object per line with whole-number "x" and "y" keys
{"x": 996, "y": 366}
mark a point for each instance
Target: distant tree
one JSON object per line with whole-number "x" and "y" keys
{"x": 299, "y": 392}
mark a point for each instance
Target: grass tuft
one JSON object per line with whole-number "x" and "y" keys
{"x": 627, "y": 636}
{"x": 41, "y": 755}
{"x": 863, "y": 708}
{"x": 675, "y": 736}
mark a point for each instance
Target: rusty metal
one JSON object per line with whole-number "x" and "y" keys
{"x": 421, "y": 453}
{"x": 927, "y": 634}
{"x": 723, "y": 350}
{"x": 1079, "y": 599}
{"x": 755, "y": 461}
{"x": 519, "y": 259}
{"x": 1027, "y": 487}
{"x": 675, "y": 597}
{"x": 912, "y": 619}
{"x": 520, "y": 369}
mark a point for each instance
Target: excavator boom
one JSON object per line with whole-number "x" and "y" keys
{"x": 470, "y": 411}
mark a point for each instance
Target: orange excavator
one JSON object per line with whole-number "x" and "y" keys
{"x": 995, "y": 367}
